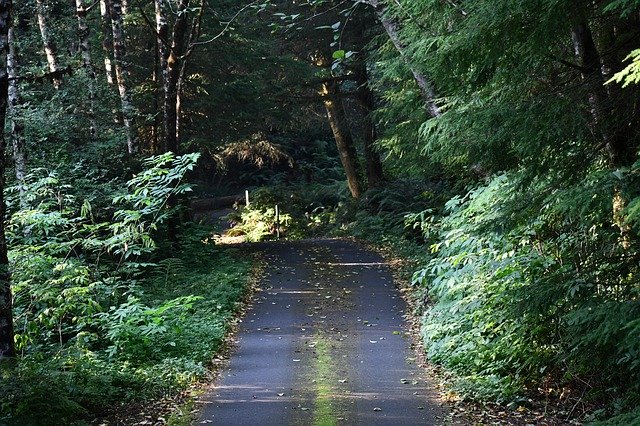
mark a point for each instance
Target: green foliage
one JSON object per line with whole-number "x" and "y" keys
{"x": 257, "y": 224}
{"x": 97, "y": 320}
{"x": 148, "y": 197}
{"x": 156, "y": 341}
{"x": 631, "y": 74}
{"x": 515, "y": 300}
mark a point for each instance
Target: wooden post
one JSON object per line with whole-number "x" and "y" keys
{"x": 277, "y": 222}
{"x": 246, "y": 197}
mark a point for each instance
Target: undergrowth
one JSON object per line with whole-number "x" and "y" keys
{"x": 104, "y": 315}
{"x": 157, "y": 342}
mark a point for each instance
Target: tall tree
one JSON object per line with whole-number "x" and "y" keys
{"x": 392, "y": 27}
{"x": 50, "y": 48}
{"x": 160, "y": 69}
{"x": 174, "y": 49}
{"x": 83, "y": 35}
{"x": 122, "y": 74}
{"x": 171, "y": 75}
{"x": 7, "y": 345}
{"x": 590, "y": 63}
{"x": 17, "y": 126}
{"x": 373, "y": 164}
{"x": 332, "y": 100}
{"x": 107, "y": 40}
{"x": 193, "y": 36}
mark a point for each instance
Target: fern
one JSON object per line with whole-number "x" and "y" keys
{"x": 168, "y": 271}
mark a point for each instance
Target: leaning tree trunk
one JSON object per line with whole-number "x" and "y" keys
{"x": 7, "y": 345}
{"x": 330, "y": 93}
{"x": 50, "y": 49}
{"x": 372, "y": 157}
{"x": 392, "y": 28}
{"x": 83, "y": 35}
{"x": 107, "y": 40}
{"x": 17, "y": 126}
{"x": 122, "y": 75}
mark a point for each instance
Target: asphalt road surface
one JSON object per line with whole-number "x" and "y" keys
{"x": 325, "y": 343}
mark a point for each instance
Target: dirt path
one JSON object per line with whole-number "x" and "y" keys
{"x": 324, "y": 344}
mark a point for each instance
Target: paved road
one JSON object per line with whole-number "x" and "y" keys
{"x": 324, "y": 344}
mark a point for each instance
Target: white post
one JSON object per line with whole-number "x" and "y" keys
{"x": 246, "y": 197}
{"x": 277, "y": 222}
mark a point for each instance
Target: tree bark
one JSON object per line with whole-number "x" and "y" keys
{"x": 7, "y": 345}
{"x": 83, "y": 35}
{"x": 122, "y": 75}
{"x": 183, "y": 71}
{"x": 193, "y": 36}
{"x": 330, "y": 93}
{"x": 392, "y": 28}
{"x": 17, "y": 126}
{"x": 162, "y": 34}
{"x": 107, "y": 40}
{"x": 618, "y": 149}
{"x": 372, "y": 157}
{"x": 50, "y": 49}
{"x": 601, "y": 104}
{"x": 172, "y": 80}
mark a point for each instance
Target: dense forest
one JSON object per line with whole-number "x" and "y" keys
{"x": 493, "y": 144}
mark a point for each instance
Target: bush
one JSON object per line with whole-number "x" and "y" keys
{"x": 521, "y": 302}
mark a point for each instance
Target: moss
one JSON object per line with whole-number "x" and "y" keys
{"x": 324, "y": 414}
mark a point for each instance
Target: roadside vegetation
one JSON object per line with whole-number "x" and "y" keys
{"x": 105, "y": 314}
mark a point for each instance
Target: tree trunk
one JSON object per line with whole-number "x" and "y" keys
{"x": 601, "y": 105}
{"x": 193, "y": 36}
{"x": 183, "y": 71}
{"x": 172, "y": 80}
{"x": 122, "y": 75}
{"x": 618, "y": 149}
{"x": 330, "y": 93}
{"x": 7, "y": 345}
{"x": 162, "y": 34}
{"x": 83, "y": 35}
{"x": 366, "y": 99}
{"x": 50, "y": 49}
{"x": 17, "y": 126}
{"x": 107, "y": 39}
{"x": 157, "y": 87}
{"x": 391, "y": 26}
